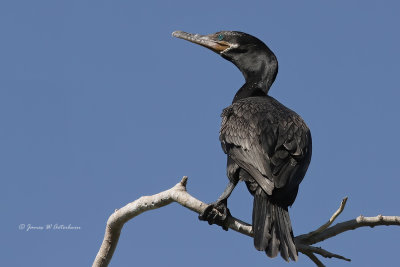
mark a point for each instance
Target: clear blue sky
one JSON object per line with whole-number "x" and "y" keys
{"x": 99, "y": 105}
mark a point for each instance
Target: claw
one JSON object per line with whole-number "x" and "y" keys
{"x": 216, "y": 213}
{"x": 206, "y": 213}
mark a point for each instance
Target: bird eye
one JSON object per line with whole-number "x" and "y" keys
{"x": 220, "y": 37}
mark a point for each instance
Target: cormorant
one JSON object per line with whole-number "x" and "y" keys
{"x": 268, "y": 146}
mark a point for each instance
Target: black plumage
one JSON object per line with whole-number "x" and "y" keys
{"x": 268, "y": 146}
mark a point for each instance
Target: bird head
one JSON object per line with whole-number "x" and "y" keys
{"x": 252, "y": 57}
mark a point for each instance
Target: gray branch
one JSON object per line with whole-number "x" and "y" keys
{"x": 179, "y": 194}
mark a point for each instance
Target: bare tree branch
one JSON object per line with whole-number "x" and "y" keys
{"x": 176, "y": 194}
{"x": 339, "y": 228}
{"x": 179, "y": 194}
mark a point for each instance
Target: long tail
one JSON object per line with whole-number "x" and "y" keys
{"x": 272, "y": 228}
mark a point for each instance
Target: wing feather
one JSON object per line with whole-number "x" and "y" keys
{"x": 266, "y": 139}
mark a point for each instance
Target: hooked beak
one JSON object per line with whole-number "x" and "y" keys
{"x": 207, "y": 41}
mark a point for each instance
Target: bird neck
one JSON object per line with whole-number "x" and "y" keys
{"x": 259, "y": 71}
{"x": 249, "y": 89}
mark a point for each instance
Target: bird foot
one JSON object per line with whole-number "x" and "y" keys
{"x": 216, "y": 213}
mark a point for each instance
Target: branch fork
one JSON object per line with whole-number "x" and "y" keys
{"x": 179, "y": 194}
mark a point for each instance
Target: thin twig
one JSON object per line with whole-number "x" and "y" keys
{"x": 314, "y": 259}
{"x": 305, "y": 249}
{"x": 333, "y": 217}
{"x": 323, "y": 227}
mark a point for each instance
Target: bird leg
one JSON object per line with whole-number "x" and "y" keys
{"x": 218, "y": 212}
